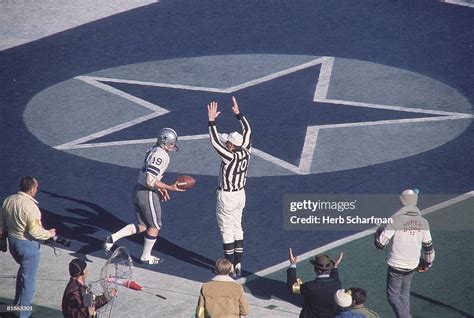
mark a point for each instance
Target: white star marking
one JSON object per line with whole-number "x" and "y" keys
{"x": 309, "y": 147}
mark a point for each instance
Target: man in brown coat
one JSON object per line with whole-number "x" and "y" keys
{"x": 222, "y": 296}
{"x": 78, "y": 299}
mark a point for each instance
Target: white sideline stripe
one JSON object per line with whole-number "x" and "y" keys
{"x": 445, "y": 204}
{"x": 348, "y": 239}
{"x": 459, "y": 3}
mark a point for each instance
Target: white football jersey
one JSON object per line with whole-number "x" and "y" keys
{"x": 156, "y": 162}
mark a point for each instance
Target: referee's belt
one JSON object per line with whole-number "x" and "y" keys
{"x": 220, "y": 189}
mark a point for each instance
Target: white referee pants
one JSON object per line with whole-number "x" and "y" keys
{"x": 229, "y": 215}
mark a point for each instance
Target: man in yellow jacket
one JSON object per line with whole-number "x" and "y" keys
{"x": 20, "y": 221}
{"x": 222, "y": 296}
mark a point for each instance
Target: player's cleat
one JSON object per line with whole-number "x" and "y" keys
{"x": 152, "y": 260}
{"x": 108, "y": 244}
{"x": 238, "y": 270}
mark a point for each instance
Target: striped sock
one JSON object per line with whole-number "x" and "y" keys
{"x": 148, "y": 246}
{"x": 229, "y": 251}
{"x": 238, "y": 251}
{"x": 128, "y": 230}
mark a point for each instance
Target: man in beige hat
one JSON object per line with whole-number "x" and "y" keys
{"x": 318, "y": 294}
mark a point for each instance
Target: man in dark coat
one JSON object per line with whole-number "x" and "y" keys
{"x": 318, "y": 294}
{"x": 78, "y": 301}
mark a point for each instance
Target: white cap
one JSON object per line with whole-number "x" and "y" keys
{"x": 342, "y": 298}
{"x": 409, "y": 197}
{"x": 235, "y": 138}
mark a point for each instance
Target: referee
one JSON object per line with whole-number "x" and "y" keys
{"x": 234, "y": 150}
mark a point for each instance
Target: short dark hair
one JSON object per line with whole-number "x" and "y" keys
{"x": 358, "y": 295}
{"x": 27, "y": 183}
{"x": 77, "y": 267}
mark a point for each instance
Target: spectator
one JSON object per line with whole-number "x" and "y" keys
{"x": 78, "y": 301}
{"x": 318, "y": 295}
{"x": 411, "y": 235}
{"x": 343, "y": 299}
{"x": 21, "y": 222}
{"x": 222, "y": 296}
{"x": 358, "y": 299}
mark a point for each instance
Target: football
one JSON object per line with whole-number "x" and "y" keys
{"x": 185, "y": 182}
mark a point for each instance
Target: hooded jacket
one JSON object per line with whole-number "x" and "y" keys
{"x": 411, "y": 236}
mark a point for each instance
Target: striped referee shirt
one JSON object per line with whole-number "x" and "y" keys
{"x": 233, "y": 170}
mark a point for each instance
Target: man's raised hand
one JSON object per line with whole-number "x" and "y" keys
{"x": 212, "y": 112}
{"x": 235, "y": 106}
{"x": 293, "y": 259}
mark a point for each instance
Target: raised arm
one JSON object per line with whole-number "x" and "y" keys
{"x": 221, "y": 149}
{"x": 246, "y": 130}
{"x": 292, "y": 282}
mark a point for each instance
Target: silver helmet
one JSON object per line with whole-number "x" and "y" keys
{"x": 167, "y": 139}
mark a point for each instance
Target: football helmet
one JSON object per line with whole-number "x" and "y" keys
{"x": 167, "y": 139}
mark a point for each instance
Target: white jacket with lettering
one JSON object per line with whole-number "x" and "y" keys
{"x": 411, "y": 237}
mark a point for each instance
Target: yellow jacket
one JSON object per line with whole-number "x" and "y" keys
{"x": 21, "y": 217}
